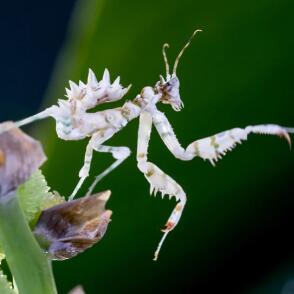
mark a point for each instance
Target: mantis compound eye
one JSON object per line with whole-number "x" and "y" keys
{"x": 171, "y": 93}
{"x": 172, "y": 87}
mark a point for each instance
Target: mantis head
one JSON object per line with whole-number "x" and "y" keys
{"x": 170, "y": 86}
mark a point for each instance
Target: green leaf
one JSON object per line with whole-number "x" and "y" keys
{"x": 27, "y": 262}
{"x": 6, "y": 286}
{"x": 34, "y": 196}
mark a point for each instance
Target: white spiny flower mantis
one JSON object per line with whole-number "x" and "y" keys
{"x": 73, "y": 122}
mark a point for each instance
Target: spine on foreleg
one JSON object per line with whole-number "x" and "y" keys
{"x": 161, "y": 182}
{"x": 214, "y": 147}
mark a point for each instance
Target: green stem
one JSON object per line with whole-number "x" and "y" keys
{"x": 30, "y": 267}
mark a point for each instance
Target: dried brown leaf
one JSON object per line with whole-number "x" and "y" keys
{"x": 72, "y": 227}
{"x": 20, "y": 157}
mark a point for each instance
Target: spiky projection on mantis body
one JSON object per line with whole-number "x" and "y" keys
{"x": 73, "y": 122}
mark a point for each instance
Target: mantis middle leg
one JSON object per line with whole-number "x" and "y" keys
{"x": 95, "y": 143}
{"x": 118, "y": 153}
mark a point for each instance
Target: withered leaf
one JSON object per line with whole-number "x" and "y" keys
{"x": 20, "y": 156}
{"x": 70, "y": 228}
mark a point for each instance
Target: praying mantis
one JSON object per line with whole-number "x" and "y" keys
{"x": 74, "y": 122}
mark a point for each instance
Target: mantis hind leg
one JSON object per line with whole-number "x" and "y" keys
{"x": 41, "y": 115}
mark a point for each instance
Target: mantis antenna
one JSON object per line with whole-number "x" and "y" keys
{"x": 183, "y": 50}
{"x": 166, "y": 45}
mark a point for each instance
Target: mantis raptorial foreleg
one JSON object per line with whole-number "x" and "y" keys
{"x": 214, "y": 147}
{"x": 159, "y": 181}
{"x": 211, "y": 148}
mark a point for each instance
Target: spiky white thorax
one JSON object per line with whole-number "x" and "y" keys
{"x": 82, "y": 97}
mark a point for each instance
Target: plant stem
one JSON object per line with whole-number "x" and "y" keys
{"x": 30, "y": 267}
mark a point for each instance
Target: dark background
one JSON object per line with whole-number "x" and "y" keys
{"x": 235, "y": 235}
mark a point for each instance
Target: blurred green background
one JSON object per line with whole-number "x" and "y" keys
{"x": 235, "y": 235}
